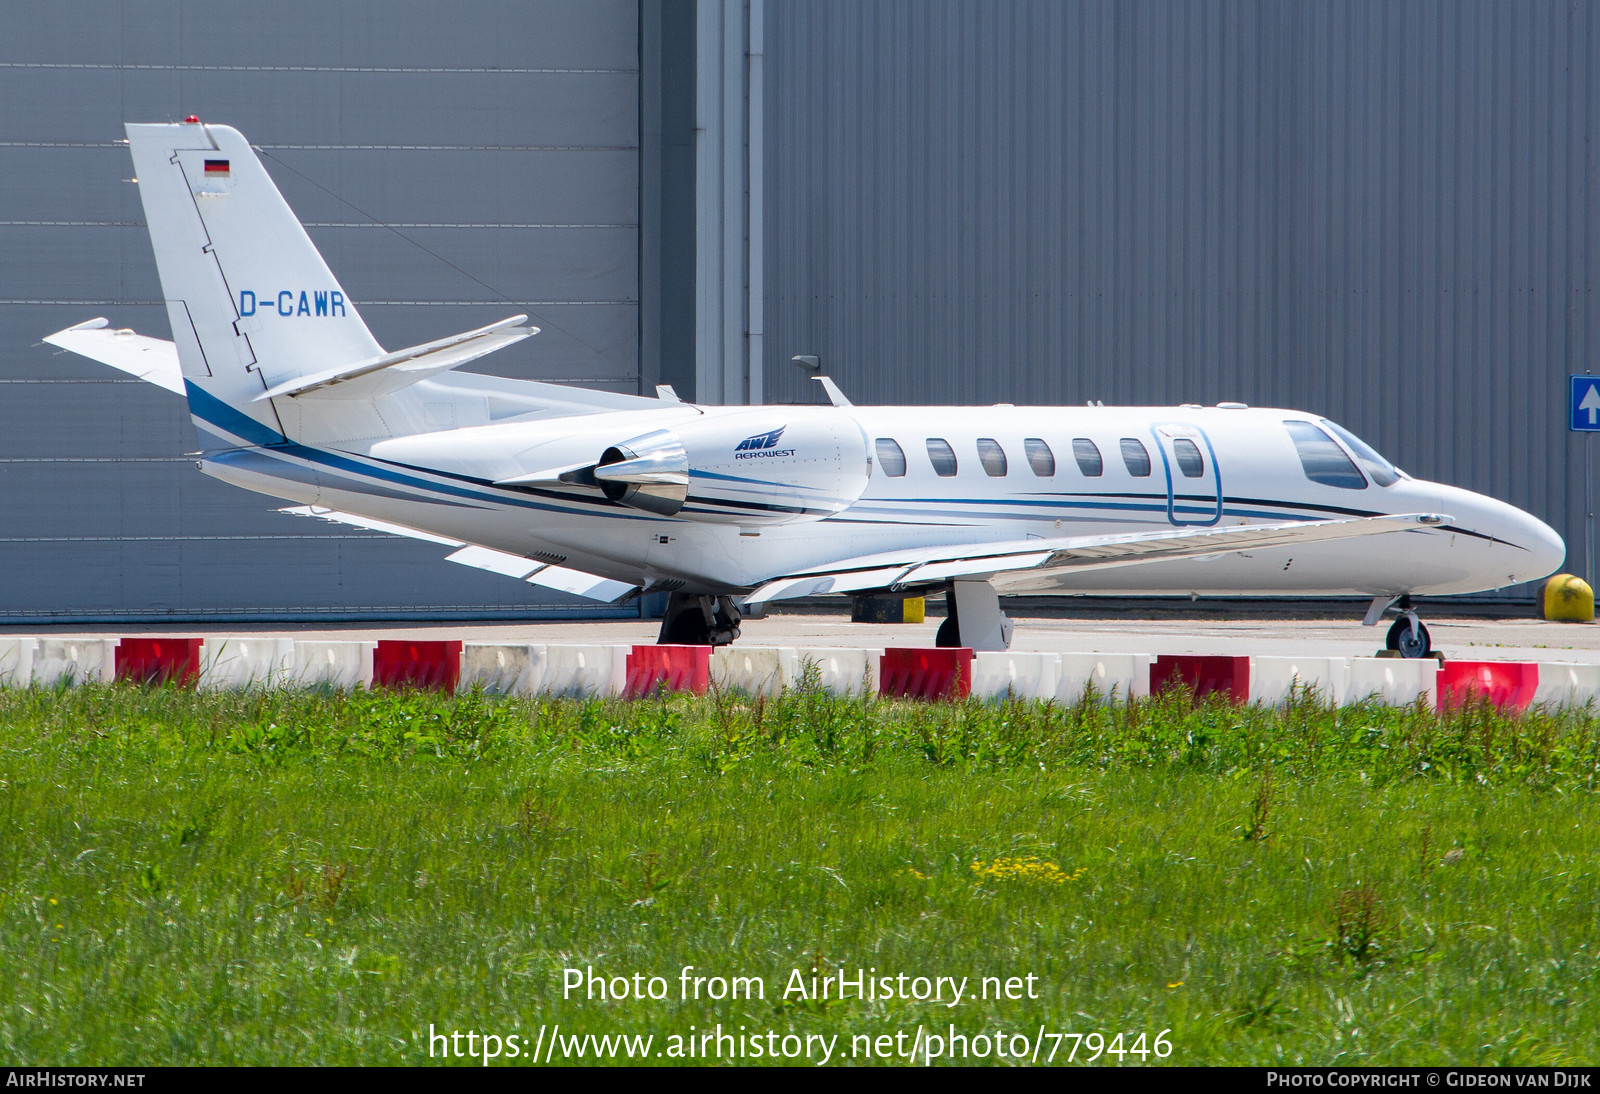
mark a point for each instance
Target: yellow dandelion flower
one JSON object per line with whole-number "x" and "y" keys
{"x": 53, "y": 900}
{"x": 1024, "y": 868}
{"x": 1177, "y": 984}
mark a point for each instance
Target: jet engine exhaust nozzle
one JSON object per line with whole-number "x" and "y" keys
{"x": 649, "y": 473}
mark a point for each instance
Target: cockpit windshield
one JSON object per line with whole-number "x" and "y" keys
{"x": 1380, "y": 470}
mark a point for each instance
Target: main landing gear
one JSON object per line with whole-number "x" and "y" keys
{"x": 1408, "y": 636}
{"x": 973, "y": 618}
{"x": 694, "y": 619}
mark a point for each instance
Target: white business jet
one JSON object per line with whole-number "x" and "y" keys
{"x": 610, "y": 496}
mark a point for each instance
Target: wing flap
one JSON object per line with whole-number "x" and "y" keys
{"x": 1024, "y": 564}
{"x": 824, "y": 584}
{"x": 152, "y": 360}
{"x": 967, "y": 567}
{"x": 543, "y": 574}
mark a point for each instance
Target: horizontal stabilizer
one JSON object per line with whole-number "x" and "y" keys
{"x": 543, "y": 574}
{"x": 150, "y": 359}
{"x": 1037, "y": 564}
{"x": 393, "y": 371}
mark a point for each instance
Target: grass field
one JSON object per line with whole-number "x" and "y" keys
{"x": 295, "y": 878}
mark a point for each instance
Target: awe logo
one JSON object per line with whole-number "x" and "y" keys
{"x": 760, "y": 440}
{"x": 762, "y": 446}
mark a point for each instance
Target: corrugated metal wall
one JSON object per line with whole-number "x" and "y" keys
{"x": 503, "y": 137}
{"x": 1379, "y": 211}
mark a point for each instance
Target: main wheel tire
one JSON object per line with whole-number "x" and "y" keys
{"x": 949, "y": 634}
{"x": 689, "y": 629}
{"x": 1410, "y": 637}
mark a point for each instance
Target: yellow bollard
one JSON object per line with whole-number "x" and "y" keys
{"x": 1568, "y": 599}
{"x": 887, "y": 609}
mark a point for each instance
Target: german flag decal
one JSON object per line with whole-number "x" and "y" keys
{"x": 216, "y": 169}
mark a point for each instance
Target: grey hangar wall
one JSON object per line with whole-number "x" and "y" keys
{"x": 1385, "y": 212}
{"x": 1378, "y": 211}
{"x": 501, "y": 137}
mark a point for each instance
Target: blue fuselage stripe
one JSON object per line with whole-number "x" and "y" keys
{"x": 219, "y": 415}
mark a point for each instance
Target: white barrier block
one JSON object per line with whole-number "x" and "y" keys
{"x": 1114, "y": 675}
{"x": 16, "y": 661}
{"x": 754, "y": 670}
{"x": 1567, "y": 684}
{"x": 502, "y": 669}
{"x": 342, "y": 665}
{"x": 74, "y": 661}
{"x": 846, "y": 671}
{"x": 1393, "y": 681}
{"x": 581, "y": 671}
{"x": 244, "y": 661}
{"x": 1273, "y": 678}
{"x": 1003, "y": 675}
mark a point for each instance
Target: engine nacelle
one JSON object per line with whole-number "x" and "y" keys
{"x": 801, "y": 463}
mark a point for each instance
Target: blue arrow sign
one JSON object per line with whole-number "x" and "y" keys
{"x": 1583, "y": 405}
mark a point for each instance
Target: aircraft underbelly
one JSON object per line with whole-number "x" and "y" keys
{"x": 1372, "y": 568}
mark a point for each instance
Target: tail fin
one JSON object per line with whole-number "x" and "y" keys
{"x": 252, "y": 304}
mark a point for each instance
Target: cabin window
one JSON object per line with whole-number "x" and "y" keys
{"x": 1040, "y": 458}
{"x": 1378, "y": 469}
{"x": 1190, "y": 462}
{"x": 942, "y": 456}
{"x": 1322, "y": 459}
{"x": 891, "y": 458}
{"x": 1136, "y": 457}
{"x": 992, "y": 456}
{"x": 1088, "y": 456}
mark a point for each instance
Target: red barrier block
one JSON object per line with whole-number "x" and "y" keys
{"x": 1227, "y": 676}
{"x": 158, "y": 660}
{"x": 1508, "y": 685}
{"x": 668, "y": 668}
{"x": 401, "y": 663}
{"x": 940, "y": 673}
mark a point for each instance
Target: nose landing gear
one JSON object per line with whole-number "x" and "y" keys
{"x": 975, "y": 619}
{"x": 1408, "y": 636}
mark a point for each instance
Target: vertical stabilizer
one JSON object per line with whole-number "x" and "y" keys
{"x": 251, "y": 302}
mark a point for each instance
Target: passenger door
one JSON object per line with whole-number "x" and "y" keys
{"x": 1194, "y": 484}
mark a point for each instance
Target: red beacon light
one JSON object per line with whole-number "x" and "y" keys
{"x": 191, "y": 120}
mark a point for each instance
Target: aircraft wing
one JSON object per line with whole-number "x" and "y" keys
{"x": 1023, "y": 565}
{"x": 484, "y": 558}
{"x": 151, "y": 359}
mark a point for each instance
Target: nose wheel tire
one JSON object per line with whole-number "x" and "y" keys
{"x": 1410, "y": 637}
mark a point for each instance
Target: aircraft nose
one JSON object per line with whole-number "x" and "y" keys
{"x": 1546, "y": 549}
{"x": 1533, "y": 550}
{"x": 1536, "y": 549}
